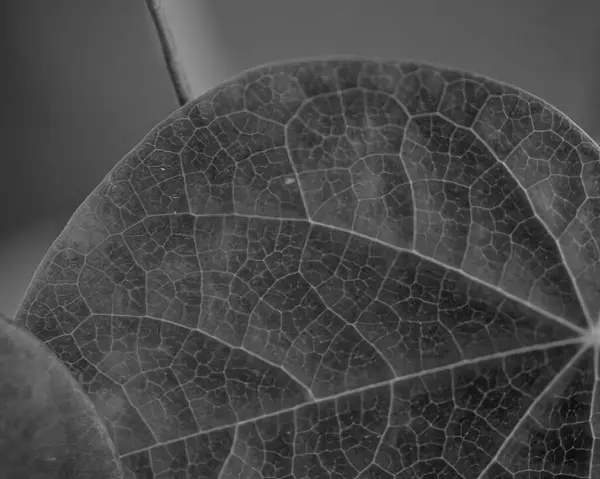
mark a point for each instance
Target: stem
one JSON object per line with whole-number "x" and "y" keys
{"x": 169, "y": 51}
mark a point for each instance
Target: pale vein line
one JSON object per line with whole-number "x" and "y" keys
{"x": 577, "y": 329}
{"x": 389, "y": 383}
{"x": 556, "y": 379}
{"x": 592, "y": 403}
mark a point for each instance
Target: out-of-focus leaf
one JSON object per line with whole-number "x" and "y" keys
{"x": 48, "y": 426}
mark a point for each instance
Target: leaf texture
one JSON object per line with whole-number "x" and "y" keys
{"x": 340, "y": 269}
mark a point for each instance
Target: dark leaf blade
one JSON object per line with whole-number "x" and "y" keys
{"x": 339, "y": 268}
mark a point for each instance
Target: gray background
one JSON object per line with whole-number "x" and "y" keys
{"x": 84, "y": 80}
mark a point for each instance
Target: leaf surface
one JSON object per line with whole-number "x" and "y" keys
{"x": 340, "y": 269}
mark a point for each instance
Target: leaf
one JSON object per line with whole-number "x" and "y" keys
{"x": 48, "y": 426}
{"x": 339, "y": 269}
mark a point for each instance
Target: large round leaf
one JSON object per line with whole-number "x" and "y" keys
{"x": 339, "y": 269}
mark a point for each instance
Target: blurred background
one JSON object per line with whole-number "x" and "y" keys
{"x": 84, "y": 81}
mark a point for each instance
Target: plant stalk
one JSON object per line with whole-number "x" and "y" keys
{"x": 169, "y": 51}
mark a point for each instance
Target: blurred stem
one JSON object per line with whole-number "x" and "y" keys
{"x": 169, "y": 51}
